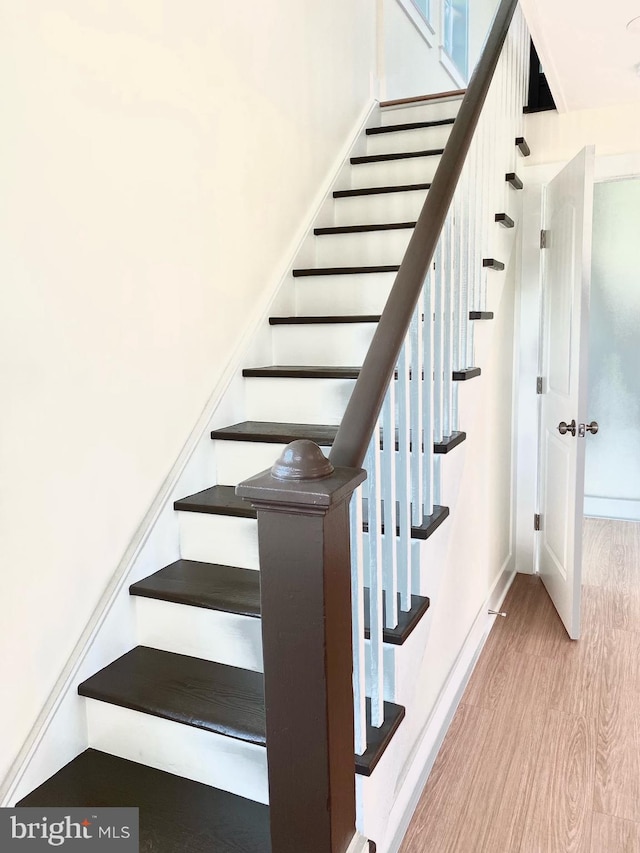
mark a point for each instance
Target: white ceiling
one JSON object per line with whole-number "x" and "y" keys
{"x": 588, "y": 55}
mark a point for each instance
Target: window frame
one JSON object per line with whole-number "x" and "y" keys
{"x": 422, "y": 24}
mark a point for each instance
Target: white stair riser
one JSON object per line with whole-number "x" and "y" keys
{"x": 313, "y": 401}
{"x": 222, "y": 762}
{"x": 379, "y": 208}
{"x": 391, "y": 173}
{"x": 430, "y": 111}
{"x": 365, "y": 293}
{"x": 324, "y": 343}
{"x": 419, "y": 139}
{"x": 368, "y": 248}
{"x": 223, "y": 539}
{"x": 239, "y": 460}
{"x": 196, "y": 631}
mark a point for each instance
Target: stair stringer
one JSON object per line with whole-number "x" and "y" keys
{"x": 60, "y": 731}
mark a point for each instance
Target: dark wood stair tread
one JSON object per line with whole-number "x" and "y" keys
{"x": 222, "y": 500}
{"x": 505, "y": 220}
{"x": 208, "y": 585}
{"x": 407, "y": 620}
{"x": 454, "y": 94}
{"x": 430, "y": 523}
{"x": 467, "y": 373}
{"x": 323, "y": 371}
{"x": 176, "y": 814}
{"x": 360, "y": 229}
{"x": 217, "y": 500}
{"x": 212, "y": 696}
{"x": 481, "y": 315}
{"x": 366, "y": 270}
{"x": 412, "y": 125}
{"x": 309, "y": 320}
{"x": 235, "y": 590}
{"x": 449, "y": 442}
{"x": 378, "y": 738}
{"x": 294, "y": 371}
{"x": 523, "y": 146}
{"x": 513, "y": 180}
{"x": 492, "y": 264}
{"x": 398, "y": 188}
{"x": 322, "y": 434}
{"x": 404, "y": 155}
{"x": 275, "y": 432}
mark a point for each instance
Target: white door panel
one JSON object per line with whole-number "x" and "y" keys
{"x": 566, "y": 281}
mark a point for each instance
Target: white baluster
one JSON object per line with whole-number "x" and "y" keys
{"x": 358, "y": 623}
{"x": 374, "y": 521}
{"x": 403, "y": 473}
{"x": 388, "y": 492}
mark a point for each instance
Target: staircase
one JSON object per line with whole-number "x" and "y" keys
{"x": 177, "y": 725}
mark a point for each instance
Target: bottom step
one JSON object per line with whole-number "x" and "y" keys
{"x": 175, "y": 813}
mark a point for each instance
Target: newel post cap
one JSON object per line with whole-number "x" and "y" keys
{"x": 301, "y": 460}
{"x": 301, "y": 477}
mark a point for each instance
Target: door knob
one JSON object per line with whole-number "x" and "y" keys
{"x": 564, "y": 428}
{"x": 592, "y": 427}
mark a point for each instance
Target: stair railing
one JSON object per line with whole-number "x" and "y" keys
{"x": 311, "y": 532}
{"x": 406, "y": 397}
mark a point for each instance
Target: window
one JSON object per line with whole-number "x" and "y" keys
{"x": 455, "y": 36}
{"x": 423, "y": 7}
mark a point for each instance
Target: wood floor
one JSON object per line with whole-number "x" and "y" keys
{"x": 543, "y": 755}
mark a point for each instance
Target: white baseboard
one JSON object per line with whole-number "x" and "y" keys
{"x": 436, "y": 727}
{"x": 150, "y": 538}
{"x": 622, "y": 509}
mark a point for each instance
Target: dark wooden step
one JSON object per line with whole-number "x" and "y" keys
{"x": 407, "y": 620}
{"x": 513, "y": 180}
{"x": 176, "y": 814}
{"x": 208, "y": 585}
{"x": 222, "y": 500}
{"x": 324, "y": 320}
{"x": 413, "y": 125}
{"x": 449, "y": 442}
{"x": 505, "y": 220}
{"x": 430, "y": 523}
{"x": 345, "y": 270}
{"x": 421, "y": 99}
{"x": 320, "y": 371}
{"x": 404, "y": 155}
{"x": 360, "y": 229}
{"x": 322, "y": 434}
{"x": 399, "y": 188}
{"x": 234, "y": 590}
{"x": 293, "y": 371}
{"x": 481, "y": 315}
{"x": 212, "y": 696}
{"x": 467, "y": 373}
{"x": 378, "y": 739}
{"x": 217, "y": 500}
{"x": 273, "y": 432}
{"x": 492, "y": 264}
{"x": 521, "y": 143}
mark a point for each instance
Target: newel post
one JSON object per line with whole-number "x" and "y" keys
{"x": 303, "y": 530}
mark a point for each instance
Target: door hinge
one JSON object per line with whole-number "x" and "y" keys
{"x": 539, "y": 385}
{"x": 536, "y": 521}
{"x": 543, "y": 239}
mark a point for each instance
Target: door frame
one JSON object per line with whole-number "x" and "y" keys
{"x": 527, "y": 336}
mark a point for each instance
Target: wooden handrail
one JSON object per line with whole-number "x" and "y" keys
{"x": 361, "y": 414}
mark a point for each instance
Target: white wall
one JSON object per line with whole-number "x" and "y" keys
{"x": 612, "y": 473}
{"x": 410, "y": 52}
{"x": 157, "y": 163}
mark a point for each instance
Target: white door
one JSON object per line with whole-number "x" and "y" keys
{"x": 566, "y": 279}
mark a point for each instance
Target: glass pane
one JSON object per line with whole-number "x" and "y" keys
{"x": 456, "y": 32}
